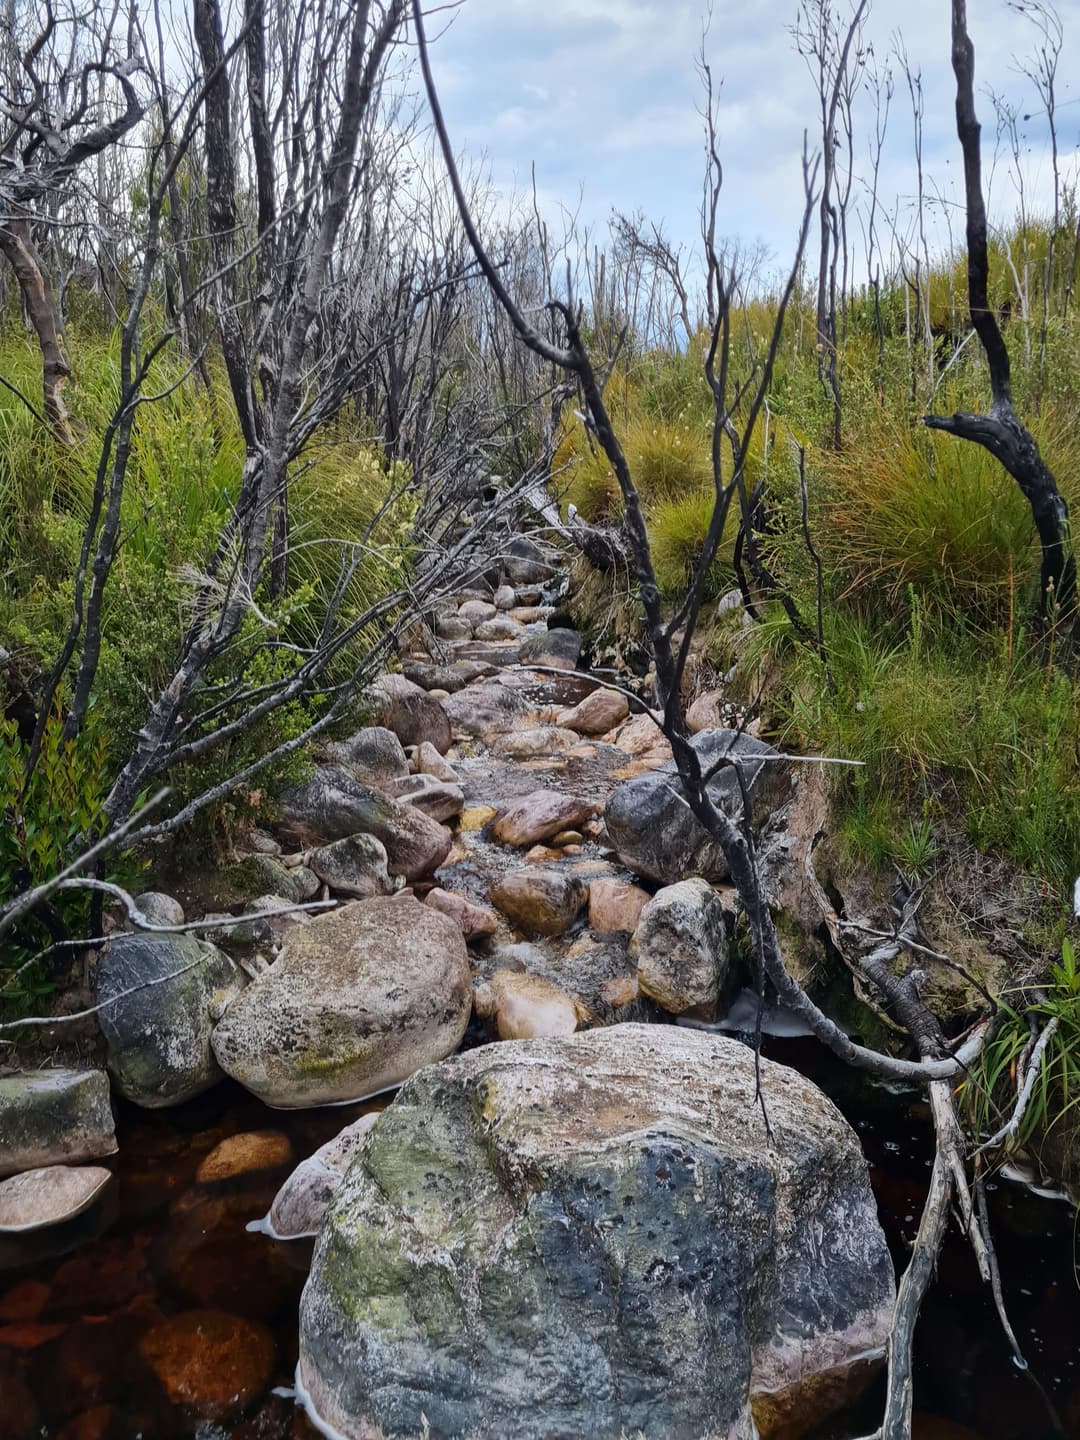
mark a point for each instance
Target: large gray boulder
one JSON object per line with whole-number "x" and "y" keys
{"x": 54, "y": 1117}
{"x": 358, "y": 1000}
{"x": 682, "y": 948}
{"x": 596, "y": 1237}
{"x": 355, "y": 866}
{"x": 373, "y": 755}
{"x": 410, "y": 712}
{"x": 559, "y": 649}
{"x": 332, "y": 805}
{"x": 485, "y": 709}
{"x": 526, "y": 563}
{"x": 159, "y": 996}
{"x": 652, "y": 827}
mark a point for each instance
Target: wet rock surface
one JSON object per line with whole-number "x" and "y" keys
{"x": 677, "y": 1266}
{"x": 52, "y": 1117}
{"x": 37, "y": 1199}
{"x": 655, "y": 832}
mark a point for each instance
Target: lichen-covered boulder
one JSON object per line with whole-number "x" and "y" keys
{"x": 652, "y": 827}
{"x": 596, "y": 1237}
{"x": 355, "y": 866}
{"x": 358, "y": 1000}
{"x": 682, "y": 948}
{"x": 158, "y": 999}
{"x": 373, "y": 755}
{"x": 486, "y": 708}
{"x": 53, "y": 1117}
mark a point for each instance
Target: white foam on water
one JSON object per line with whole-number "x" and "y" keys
{"x": 742, "y": 1016}
{"x": 304, "y": 1400}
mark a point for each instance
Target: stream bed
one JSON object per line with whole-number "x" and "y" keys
{"x": 160, "y": 1314}
{"x": 167, "y": 1261}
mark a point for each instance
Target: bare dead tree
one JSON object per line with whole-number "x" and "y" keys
{"x": 880, "y": 81}
{"x": 827, "y": 51}
{"x": 1000, "y": 430}
{"x": 669, "y": 638}
{"x": 1041, "y": 70}
{"x": 57, "y": 118}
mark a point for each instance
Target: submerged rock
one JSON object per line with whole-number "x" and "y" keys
{"x": 243, "y": 1154}
{"x": 358, "y": 1000}
{"x": 595, "y": 1237}
{"x": 40, "y": 1198}
{"x": 652, "y": 827}
{"x": 682, "y": 947}
{"x": 52, "y": 1117}
{"x": 160, "y": 996}
{"x": 209, "y": 1362}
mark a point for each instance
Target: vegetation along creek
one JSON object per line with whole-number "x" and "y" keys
{"x": 539, "y": 756}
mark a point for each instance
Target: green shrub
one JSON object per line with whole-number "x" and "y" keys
{"x": 991, "y": 1092}
{"x": 44, "y": 822}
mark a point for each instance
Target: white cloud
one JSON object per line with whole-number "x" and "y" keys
{"x": 604, "y": 94}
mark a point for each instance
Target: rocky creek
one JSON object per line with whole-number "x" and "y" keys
{"x": 527, "y": 1193}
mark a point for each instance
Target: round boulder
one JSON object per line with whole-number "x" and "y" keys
{"x": 682, "y": 947}
{"x": 541, "y": 900}
{"x": 596, "y": 1236}
{"x": 159, "y": 996}
{"x": 410, "y": 712}
{"x": 358, "y": 1000}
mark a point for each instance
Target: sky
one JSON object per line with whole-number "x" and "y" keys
{"x": 604, "y": 96}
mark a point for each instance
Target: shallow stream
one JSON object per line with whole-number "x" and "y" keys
{"x": 160, "y": 1314}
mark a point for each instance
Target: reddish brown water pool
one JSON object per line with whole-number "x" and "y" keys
{"x": 159, "y": 1315}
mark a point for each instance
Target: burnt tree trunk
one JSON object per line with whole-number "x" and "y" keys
{"x": 37, "y": 293}
{"x": 1000, "y": 430}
